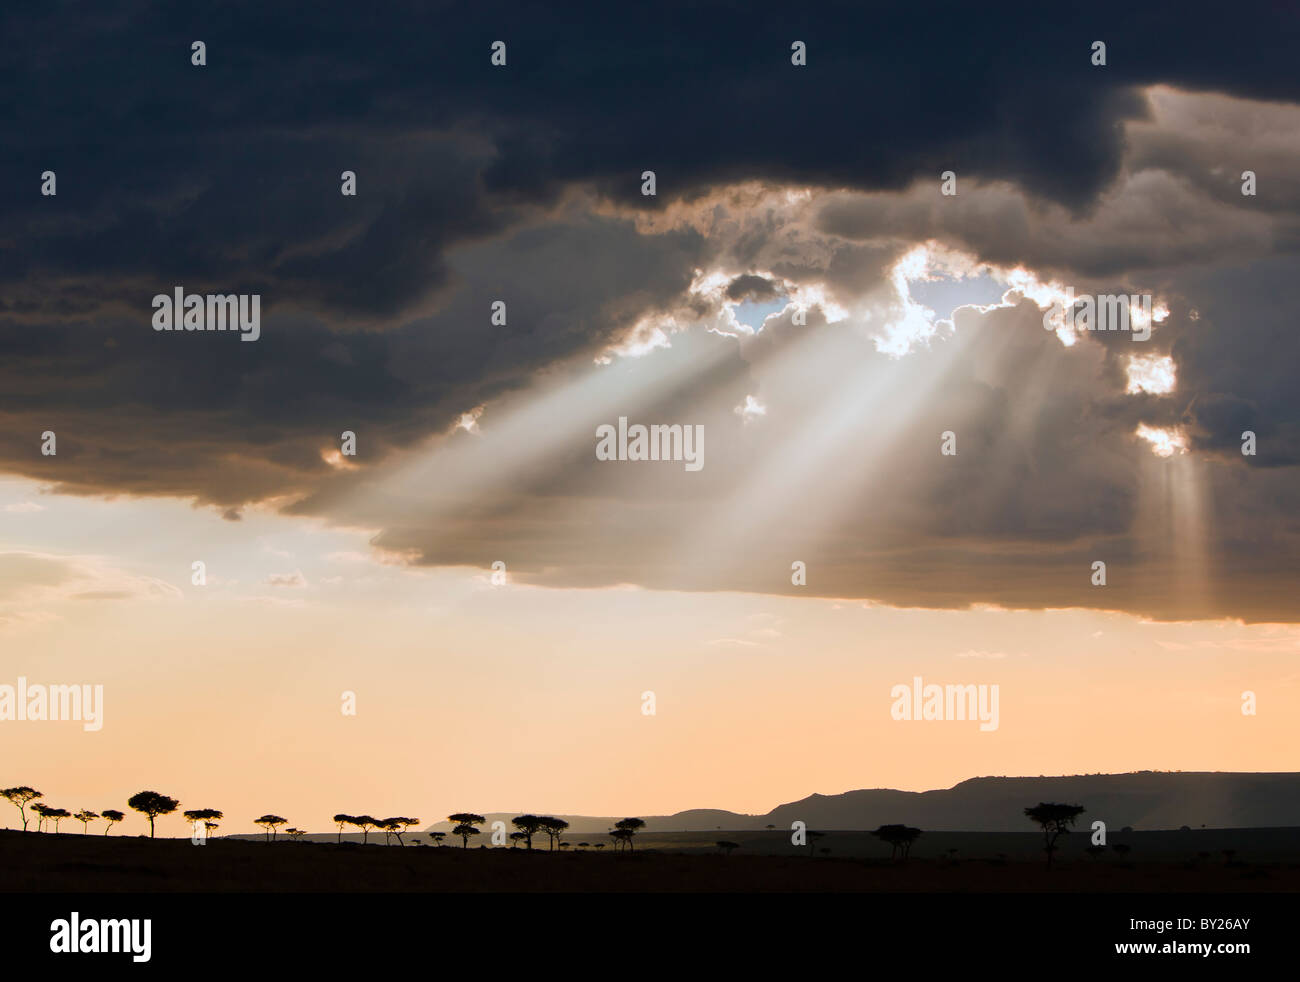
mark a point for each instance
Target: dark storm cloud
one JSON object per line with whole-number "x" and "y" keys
{"x": 750, "y": 287}
{"x": 476, "y": 183}
{"x": 230, "y": 171}
{"x": 204, "y": 414}
{"x": 1238, "y": 359}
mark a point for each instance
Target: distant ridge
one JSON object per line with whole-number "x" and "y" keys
{"x": 1145, "y": 800}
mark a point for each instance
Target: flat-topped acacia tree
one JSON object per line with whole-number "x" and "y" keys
{"x": 465, "y": 823}
{"x": 403, "y": 823}
{"x": 111, "y": 816}
{"x": 899, "y": 837}
{"x": 208, "y": 816}
{"x": 365, "y": 823}
{"x": 270, "y": 823}
{"x": 153, "y": 804}
{"x": 629, "y": 826}
{"x": 554, "y": 828}
{"x": 465, "y": 830}
{"x": 341, "y": 820}
{"x": 42, "y": 811}
{"x": 85, "y": 817}
{"x": 20, "y": 797}
{"x": 528, "y": 826}
{"x": 1055, "y": 820}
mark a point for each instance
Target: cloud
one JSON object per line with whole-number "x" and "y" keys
{"x": 34, "y": 584}
{"x": 294, "y": 579}
{"x": 473, "y": 187}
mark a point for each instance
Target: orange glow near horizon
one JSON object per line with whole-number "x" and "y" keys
{"x": 496, "y": 698}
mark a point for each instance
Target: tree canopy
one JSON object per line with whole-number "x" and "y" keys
{"x": 899, "y": 837}
{"x": 1055, "y": 819}
{"x": 153, "y": 804}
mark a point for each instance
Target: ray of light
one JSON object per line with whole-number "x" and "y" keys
{"x": 498, "y": 448}
{"x": 854, "y": 422}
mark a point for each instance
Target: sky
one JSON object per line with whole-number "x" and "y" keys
{"x": 496, "y": 602}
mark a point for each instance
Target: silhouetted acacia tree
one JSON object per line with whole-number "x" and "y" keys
{"x": 111, "y": 817}
{"x": 19, "y": 798}
{"x": 899, "y": 837}
{"x": 437, "y": 837}
{"x": 208, "y": 816}
{"x": 1055, "y": 820}
{"x": 629, "y": 826}
{"x": 465, "y": 830}
{"x": 57, "y": 815}
{"x": 554, "y": 828}
{"x": 85, "y": 817}
{"x": 403, "y": 824}
{"x": 465, "y": 822}
{"x": 365, "y": 823}
{"x": 342, "y": 820}
{"x": 270, "y": 823}
{"x": 42, "y": 811}
{"x": 153, "y": 804}
{"x": 529, "y": 826}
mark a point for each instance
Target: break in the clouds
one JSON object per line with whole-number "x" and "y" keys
{"x": 810, "y": 194}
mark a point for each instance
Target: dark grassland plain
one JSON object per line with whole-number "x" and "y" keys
{"x": 1202, "y": 861}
